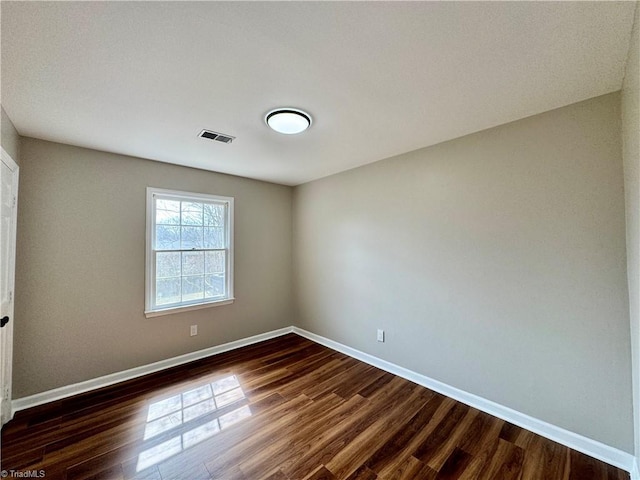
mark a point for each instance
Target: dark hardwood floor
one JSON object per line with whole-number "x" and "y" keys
{"x": 282, "y": 409}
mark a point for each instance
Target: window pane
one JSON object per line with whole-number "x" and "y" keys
{"x": 167, "y": 290}
{"x": 191, "y": 237}
{"x": 167, "y": 238}
{"x": 192, "y": 288}
{"x": 191, "y": 213}
{"x": 192, "y": 263}
{"x": 214, "y": 262}
{"x": 214, "y": 237}
{"x": 167, "y": 264}
{"x": 214, "y": 214}
{"x": 167, "y": 212}
{"x": 214, "y": 285}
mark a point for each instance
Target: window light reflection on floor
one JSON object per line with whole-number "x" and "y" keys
{"x": 176, "y": 411}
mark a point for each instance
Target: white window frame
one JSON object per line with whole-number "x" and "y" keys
{"x": 151, "y": 310}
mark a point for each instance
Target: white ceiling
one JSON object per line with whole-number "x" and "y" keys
{"x": 379, "y": 78}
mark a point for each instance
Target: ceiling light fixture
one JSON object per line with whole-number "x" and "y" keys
{"x": 288, "y": 121}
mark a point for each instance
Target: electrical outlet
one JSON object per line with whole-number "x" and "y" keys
{"x": 194, "y": 330}
{"x": 380, "y": 335}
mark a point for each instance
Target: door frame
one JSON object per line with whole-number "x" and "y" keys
{"x": 6, "y": 362}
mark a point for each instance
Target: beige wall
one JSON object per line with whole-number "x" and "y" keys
{"x": 10, "y": 140}
{"x": 81, "y": 263}
{"x": 495, "y": 263}
{"x": 631, "y": 158}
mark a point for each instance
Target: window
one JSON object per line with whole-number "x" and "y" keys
{"x": 189, "y": 251}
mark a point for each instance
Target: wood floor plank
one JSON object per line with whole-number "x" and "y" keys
{"x": 454, "y": 465}
{"x": 510, "y": 432}
{"x": 393, "y": 416}
{"x": 243, "y": 442}
{"x": 283, "y": 409}
{"x": 131, "y": 472}
{"x": 113, "y": 472}
{"x": 390, "y": 464}
{"x": 480, "y": 461}
{"x": 484, "y": 429}
{"x": 411, "y": 468}
{"x": 545, "y": 460}
{"x": 293, "y": 443}
{"x": 275, "y": 475}
{"x": 321, "y": 473}
{"x": 370, "y": 389}
{"x": 24, "y": 457}
{"x": 506, "y": 463}
{"x": 389, "y": 451}
{"x": 181, "y": 470}
{"x": 350, "y": 374}
{"x": 583, "y": 466}
{"x": 357, "y": 384}
{"x": 448, "y": 446}
{"x": 363, "y": 473}
{"x": 434, "y": 442}
{"x": 329, "y": 444}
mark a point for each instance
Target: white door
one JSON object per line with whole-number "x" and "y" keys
{"x": 9, "y": 197}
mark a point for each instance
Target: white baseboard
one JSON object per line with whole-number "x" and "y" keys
{"x": 113, "y": 378}
{"x": 572, "y": 440}
{"x": 635, "y": 472}
{"x": 590, "y": 447}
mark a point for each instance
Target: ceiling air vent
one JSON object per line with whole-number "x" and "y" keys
{"x": 218, "y": 137}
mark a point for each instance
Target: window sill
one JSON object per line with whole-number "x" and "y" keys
{"x": 186, "y": 308}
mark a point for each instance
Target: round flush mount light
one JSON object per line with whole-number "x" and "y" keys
{"x": 288, "y": 121}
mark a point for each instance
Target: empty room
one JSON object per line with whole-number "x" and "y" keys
{"x": 320, "y": 240}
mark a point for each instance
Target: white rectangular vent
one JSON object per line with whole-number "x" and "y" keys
{"x": 218, "y": 137}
